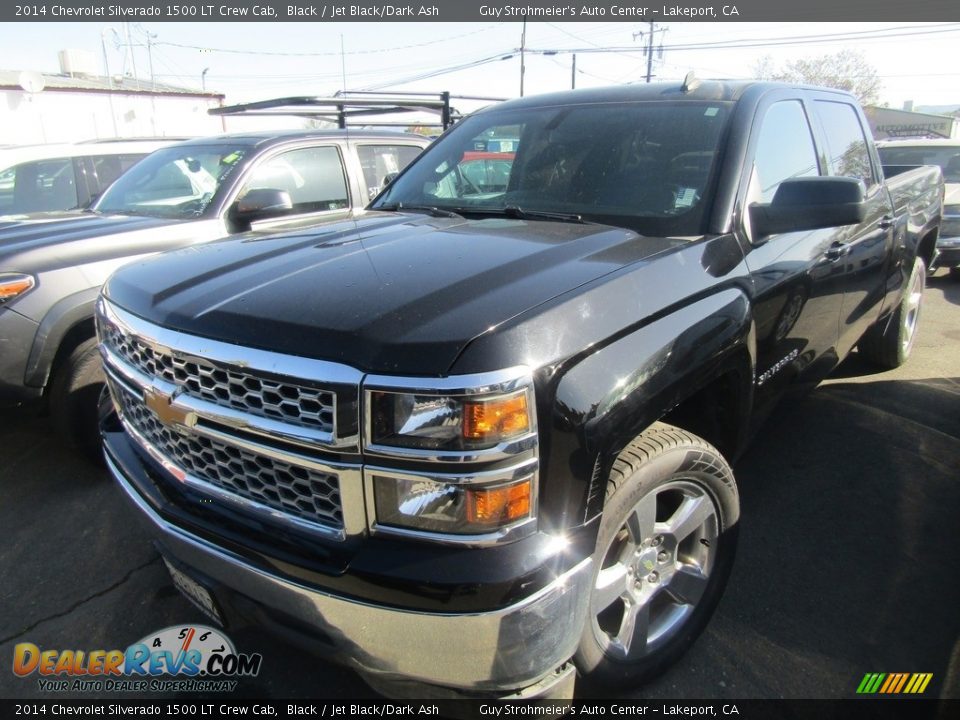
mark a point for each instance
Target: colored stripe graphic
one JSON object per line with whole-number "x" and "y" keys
{"x": 894, "y": 683}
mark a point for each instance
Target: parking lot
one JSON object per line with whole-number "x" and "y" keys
{"x": 848, "y": 559}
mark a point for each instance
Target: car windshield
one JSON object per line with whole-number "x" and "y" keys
{"x": 946, "y": 156}
{"x": 175, "y": 182}
{"x": 642, "y": 165}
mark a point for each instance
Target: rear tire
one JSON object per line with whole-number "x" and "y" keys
{"x": 74, "y": 399}
{"x": 889, "y": 343}
{"x": 663, "y": 557}
{"x": 955, "y": 273}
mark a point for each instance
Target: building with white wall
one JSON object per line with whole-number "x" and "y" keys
{"x": 65, "y": 107}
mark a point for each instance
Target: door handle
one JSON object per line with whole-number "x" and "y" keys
{"x": 837, "y": 250}
{"x": 886, "y": 222}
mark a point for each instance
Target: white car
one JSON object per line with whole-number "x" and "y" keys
{"x": 44, "y": 178}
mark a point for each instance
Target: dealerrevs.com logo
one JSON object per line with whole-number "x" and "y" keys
{"x": 180, "y": 658}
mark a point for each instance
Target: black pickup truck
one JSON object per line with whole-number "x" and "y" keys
{"x": 479, "y": 439}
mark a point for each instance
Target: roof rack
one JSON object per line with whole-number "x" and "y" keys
{"x": 354, "y": 105}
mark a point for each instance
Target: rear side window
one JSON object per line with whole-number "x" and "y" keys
{"x": 846, "y": 142}
{"x": 313, "y": 177}
{"x": 380, "y": 161}
{"x": 38, "y": 186}
{"x": 784, "y": 150}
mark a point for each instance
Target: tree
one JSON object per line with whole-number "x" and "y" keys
{"x": 845, "y": 70}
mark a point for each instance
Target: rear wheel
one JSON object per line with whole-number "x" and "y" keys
{"x": 74, "y": 399}
{"x": 955, "y": 273}
{"x": 663, "y": 556}
{"x": 890, "y": 342}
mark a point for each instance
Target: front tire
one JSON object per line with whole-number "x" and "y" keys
{"x": 663, "y": 557}
{"x": 889, "y": 343}
{"x": 74, "y": 399}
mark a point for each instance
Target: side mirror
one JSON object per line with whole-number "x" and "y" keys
{"x": 389, "y": 178}
{"x": 260, "y": 204}
{"x": 809, "y": 203}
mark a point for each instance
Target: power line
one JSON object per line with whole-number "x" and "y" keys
{"x": 769, "y": 42}
{"x": 441, "y": 71}
{"x": 278, "y": 53}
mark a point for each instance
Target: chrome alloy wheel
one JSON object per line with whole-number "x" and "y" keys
{"x": 655, "y": 570}
{"x": 911, "y": 309}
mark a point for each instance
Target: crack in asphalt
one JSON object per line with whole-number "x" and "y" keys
{"x": 99, "y": 593}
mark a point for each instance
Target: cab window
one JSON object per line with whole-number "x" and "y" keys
{"x": 784, "y": 150}
{"x": 846, "y": 142}
{"x": 313, "y": 177}
{"x": 379, "y": 162}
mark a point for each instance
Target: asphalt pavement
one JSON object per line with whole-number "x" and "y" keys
{"x": 847, "y": 563}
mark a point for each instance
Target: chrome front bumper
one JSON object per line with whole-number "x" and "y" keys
{"x": 490, "y": 652}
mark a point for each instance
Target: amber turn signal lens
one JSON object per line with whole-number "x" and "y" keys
{"x": 496, "y": 419}
{"x": 12, "y": 286}
{"x": 499, "y": 505}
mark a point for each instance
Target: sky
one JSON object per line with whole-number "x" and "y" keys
{"x": 249, "y": 61}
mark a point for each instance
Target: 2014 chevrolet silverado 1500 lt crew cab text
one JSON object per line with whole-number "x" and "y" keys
{"x": 52, "y": 264}
{"x": 481, "y": 435}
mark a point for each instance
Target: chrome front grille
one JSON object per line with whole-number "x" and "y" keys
{"x": 246, "y": 427}
{"x": 250, "y": 393}
{"x": 292, "y": 489}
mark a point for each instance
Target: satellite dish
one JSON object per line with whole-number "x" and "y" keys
{"x": 31, "y": 82}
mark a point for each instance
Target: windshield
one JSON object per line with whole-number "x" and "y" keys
{"x": 176, "y": 182}
{"x": 946, "y": 156}
{"x": 645, "y": 165}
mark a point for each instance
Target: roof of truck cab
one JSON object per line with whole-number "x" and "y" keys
{"x": 704, "y": 90}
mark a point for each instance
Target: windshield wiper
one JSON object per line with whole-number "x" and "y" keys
{"x": 517, "y": 213}
{"x": 429, "y": 209}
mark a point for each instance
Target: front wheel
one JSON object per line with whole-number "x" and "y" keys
{"x": 664, "y": 553}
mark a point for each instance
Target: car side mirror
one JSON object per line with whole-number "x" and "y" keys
{"x": 389, "y": 178}
{"x": 260, "y": 204}
{"x": 809, "y": 203}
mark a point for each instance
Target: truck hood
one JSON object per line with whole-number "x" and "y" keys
{"x": 27, "y": 234}
{"x": 391, "y": 293}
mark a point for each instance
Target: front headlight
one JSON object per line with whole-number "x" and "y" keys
{"x": 14, "y": 285}
{"x": 448, "y": 422}
{"x": 429, "y": 504}
{"x": 469, "y": 455}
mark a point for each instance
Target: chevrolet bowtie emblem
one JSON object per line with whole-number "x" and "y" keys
{"x": 163, "y": 406}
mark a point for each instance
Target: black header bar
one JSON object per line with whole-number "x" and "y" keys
{"x": 479, "y": 10}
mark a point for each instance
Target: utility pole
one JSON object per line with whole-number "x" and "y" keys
{"x": 150, "y": 36}
{"x": 573, "y": 73}
{"x": 650, "y": 53}
{"x": 523, "y": 48}
{"x": 133, "y": 55}
{"x": 106, "y": 71}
